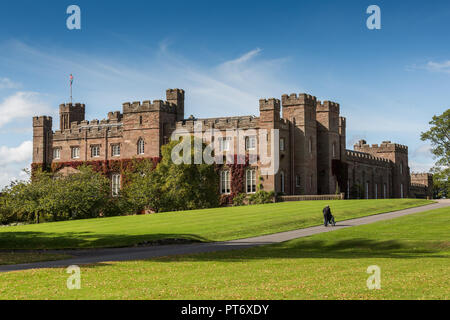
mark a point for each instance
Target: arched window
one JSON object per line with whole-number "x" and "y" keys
{"x": 141, "y": 146}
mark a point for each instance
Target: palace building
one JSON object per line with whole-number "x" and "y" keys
{"x": 313, "y": 156}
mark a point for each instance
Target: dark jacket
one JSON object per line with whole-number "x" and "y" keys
{"x": 327, "y": 212}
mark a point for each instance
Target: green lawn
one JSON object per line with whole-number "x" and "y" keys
{"x": 413, "y": 253}
{"x": 202, "y": 225}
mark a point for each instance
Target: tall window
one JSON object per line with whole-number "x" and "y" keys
{"x": 401, "y": 190}
{"x": 57, "y": 153}
{"x": 384, "y": 191}
{"x": 95, "y": 151}
{"x": 401, "y": 167}
{"x": 225, "y": 182}
{"x": 310, "y": 145}
{"x": 297, "y": 181}
{"x": 367, "y": 190}
{"x": 376, "y": 191}
{"x": 75, "y": 152}
{"x": 282, "y": 181}
{"x": 115, "y": 184}
{"x": 334, "y": 150}
{"x": 115, "y": 150}
{"x": 282, "y": 144}
{"x": 251, "y": 180}
{"x": 250, "y": 143}
{"x": 224, "y": 144}
{"x": 141, "y": 146}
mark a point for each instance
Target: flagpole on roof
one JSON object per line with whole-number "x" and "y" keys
{"x": 71, "y": 81}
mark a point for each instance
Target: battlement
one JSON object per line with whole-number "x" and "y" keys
{"x": 115, "y": 116}
{"x": 269, "y": 104}
{"x": 42, "y": 121}
{"x": 328, "y": 106}
{"x": 384, "y": 147}
{"x": 421, "y": 175}
{"x": 69, "y": 107}
{"x": 366, "y": 157}
{"x": 342, "y": 121}
{"x": 174, "y": 94}
{"x": 225, "y": 123}
{"x": 147, "y": 106}
{"x": 301, "y": 99}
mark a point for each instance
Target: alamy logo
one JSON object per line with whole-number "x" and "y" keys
{"x": 74, "y": 280}
{"x": 374, "y": 20}
{"x": 374, "y": 281}
{"x": 235, "y": 146}
{"x": 73, "y": 22}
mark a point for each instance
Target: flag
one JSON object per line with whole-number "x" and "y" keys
{"x": 71, "y": 79}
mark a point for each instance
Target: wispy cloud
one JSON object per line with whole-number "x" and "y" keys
{"x": 431, "y": 66}
{"x": 6, "y": 83}
{"x": 22, "y": 105}
{"x": 438, "y": 66}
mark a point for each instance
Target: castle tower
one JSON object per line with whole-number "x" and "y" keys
{"x": 329, "y": 146}
{"x": 300, "y": 111}
{"x": 269, "y": 111}
{"x": 176, "y": 96}
{"x": 151, "y": 122}
{"x": 398, "y": 155}
{"x": 69, "y": 113}
{"x": 42, "y": 140}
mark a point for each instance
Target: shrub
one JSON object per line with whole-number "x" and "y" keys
{"x": 239, "y": 199}
{"x": 262, "y": 197}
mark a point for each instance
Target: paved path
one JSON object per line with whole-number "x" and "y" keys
{"x": 139, "y": 253}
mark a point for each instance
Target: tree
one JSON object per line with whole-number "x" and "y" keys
{"x": 439, "y": 136}
{"x": 52, "y": 197}
{"x": 170, "y": 186}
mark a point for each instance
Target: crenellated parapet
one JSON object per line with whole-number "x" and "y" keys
{"x": 42, "y": 121}
{"x": 72, "y": 107}
{"x": 269, "y": 104}
{"x": 301, "y": 99}
{"x": 225, "y": 123}
{"x": 148, "y": 106}
{"x": 384, "y": 147}
{"x": 327, "y": 106}
{"x": 367, "y": 158}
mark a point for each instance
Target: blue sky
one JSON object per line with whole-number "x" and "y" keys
{"x": 226, "y": 55}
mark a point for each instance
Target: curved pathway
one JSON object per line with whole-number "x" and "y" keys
{"x": 138, "y": 253}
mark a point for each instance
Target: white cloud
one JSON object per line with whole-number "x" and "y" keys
{"x": 420, "y": 167}
{"x": 6, "y": 83}
{"x": 11, "y": 174}
{"x": 438, "y": 66}
{"x": 19, "y": 154}
{"x": 422, "y": 151}
{"x": 22, "y": 105}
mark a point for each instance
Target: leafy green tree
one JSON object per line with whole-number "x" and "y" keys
{"x": 52, "y": 197}
{"x": 171, "y": 186}
{"x": 439, "y": 137}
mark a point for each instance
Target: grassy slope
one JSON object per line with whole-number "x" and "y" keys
{"x": 204, "y": 225}
{"x": 413, "y": 253}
